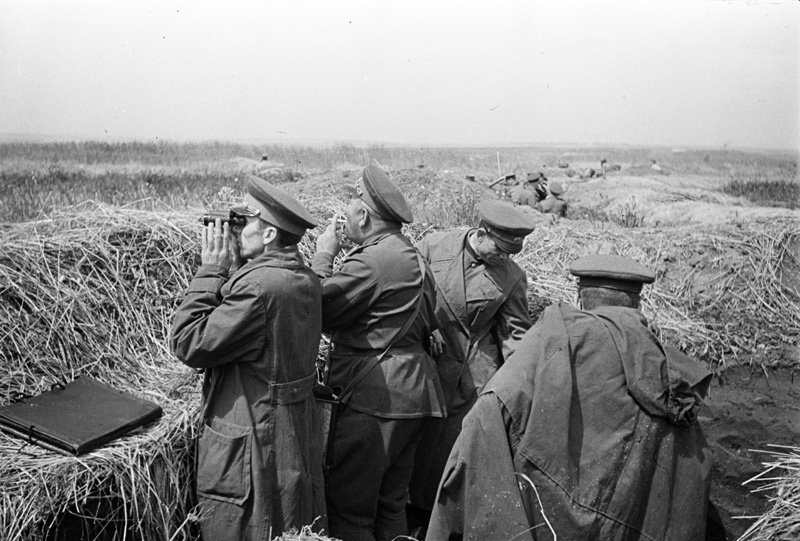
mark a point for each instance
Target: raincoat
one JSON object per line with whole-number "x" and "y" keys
{"x": 482, "y": 312}
{"x": 256, "y": 334}
{"x": 588, "y": 431}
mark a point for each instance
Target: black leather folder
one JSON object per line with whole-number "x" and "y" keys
{"x": 75, "y": 418}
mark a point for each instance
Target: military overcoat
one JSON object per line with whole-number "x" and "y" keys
{"x": 589, "y": 431}
{"x": 256, "y": 335}
{"x": 476, "y": 340}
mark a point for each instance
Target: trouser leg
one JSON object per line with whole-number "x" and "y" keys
{"x": 417, "y": 519}
{"x": 353, "y": 482}
{"x": 367, "y": 486}
{"x": 400, "y": 440}
{"x": 431, "y": 457}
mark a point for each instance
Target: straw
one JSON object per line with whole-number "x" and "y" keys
{"x": 782, "y": 478}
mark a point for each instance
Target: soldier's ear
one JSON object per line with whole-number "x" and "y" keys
{"x": 269, "y": 234}
{"x": 365, "y": 217}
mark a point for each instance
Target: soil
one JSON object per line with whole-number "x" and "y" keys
{"x": 747, "y": 410}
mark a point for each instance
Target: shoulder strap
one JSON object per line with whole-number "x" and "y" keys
{"x": 361, "y": 374}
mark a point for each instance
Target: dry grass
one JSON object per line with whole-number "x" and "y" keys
{"x": 782, "y": 475}
{"x": 92, "y": 292}
{"x": 709, "y": 279}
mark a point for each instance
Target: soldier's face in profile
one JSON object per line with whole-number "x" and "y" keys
{"x": 250, "y": 238}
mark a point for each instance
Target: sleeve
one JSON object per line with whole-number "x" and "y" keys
{"x": 513, "y": 320}
{"x": 322, "y": 265}
{"x": 348, "y": 293}
{"x": 211, "y": 330}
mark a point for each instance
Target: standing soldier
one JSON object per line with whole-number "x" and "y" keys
{"x": 380, "y": 307}
{"x": 482, "y": 308}
{"x": 255, "y": 333}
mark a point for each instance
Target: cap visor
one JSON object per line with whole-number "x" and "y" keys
{"x": 507, "y": 247}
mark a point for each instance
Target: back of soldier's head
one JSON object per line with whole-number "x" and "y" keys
{"x": 610, "y": 280}
{"x": 595, "y": 297}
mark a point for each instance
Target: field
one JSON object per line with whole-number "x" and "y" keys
{"x": 99, "y": 242}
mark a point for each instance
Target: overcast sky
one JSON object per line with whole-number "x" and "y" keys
{"x": 652, "y": 72}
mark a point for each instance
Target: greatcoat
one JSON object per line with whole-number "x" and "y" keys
{"x": 589, "y": 431}
{"x": 256, "y": 335}
{"x": 482, "y": 312}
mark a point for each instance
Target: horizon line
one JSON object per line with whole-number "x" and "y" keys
{"x": 59, "y": 138}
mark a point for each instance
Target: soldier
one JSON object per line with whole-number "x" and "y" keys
{"x": 380, "y": 307}
{"x": 589, "y": 431}
{"x": 532, "y": 191}
{"x": 259, "y": 469}
{"x": 482, "y": 309}
{"x": 554, "y": 203}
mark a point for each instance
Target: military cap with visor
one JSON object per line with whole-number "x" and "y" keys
{"x": 275, "y": 206}
{"x": 381, "y": 195}
{"x": 611, "y": 272}
{"x": 505, "y": 224}
{"x": 555, "y": 187}
{"x": 536, "y": 176}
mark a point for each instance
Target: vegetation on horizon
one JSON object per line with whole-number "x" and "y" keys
{"x": 36, "y": 178}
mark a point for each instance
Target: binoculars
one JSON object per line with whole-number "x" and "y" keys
{"x": 225, "y": 216}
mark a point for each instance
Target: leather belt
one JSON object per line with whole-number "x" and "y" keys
{"x": 340, "y": 349}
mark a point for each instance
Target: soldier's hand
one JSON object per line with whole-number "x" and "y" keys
{"x": 437, "y": 343}
{"x": 329, "y": 240}
{"x": 215, "y": 244}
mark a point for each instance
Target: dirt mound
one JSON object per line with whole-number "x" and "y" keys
{"x": 269, "y": 170}
{"x": 665, "y": 200}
